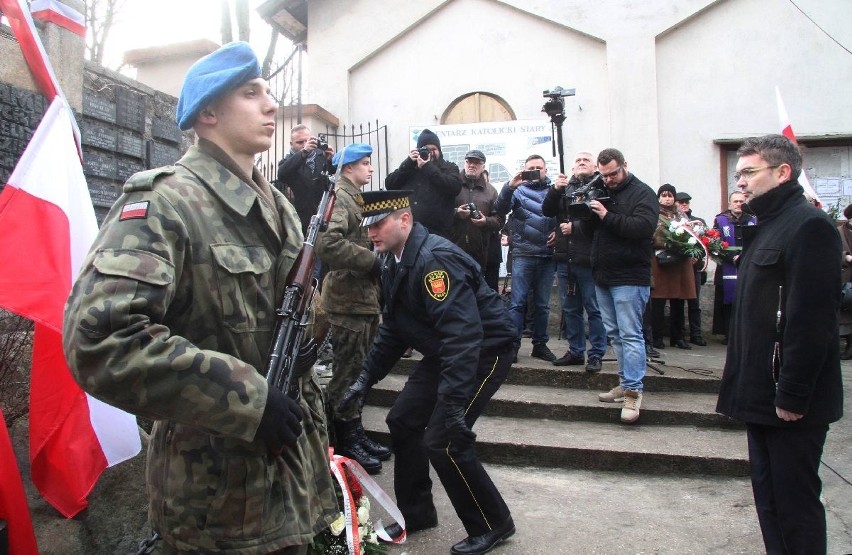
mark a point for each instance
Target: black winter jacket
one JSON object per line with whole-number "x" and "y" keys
{"x": 622, "y": 243}
{"x": 437, "y": 302}
{"x": 793, "y": 253}
{"x": 575, "y": 248}
{"x": 435, "y": 187}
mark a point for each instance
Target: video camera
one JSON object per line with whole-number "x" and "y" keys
{"x": 579, "y": 208}
{"x": 555, "y": 107}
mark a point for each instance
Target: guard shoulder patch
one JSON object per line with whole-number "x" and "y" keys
{"x": 134, "y": 211}
{"x": 437, "y": 284}
{"x": 144, "y": 181}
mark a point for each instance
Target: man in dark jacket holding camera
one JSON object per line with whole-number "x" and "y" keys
{"x": 573, "y": 255}
{"x": 782, "y": 373}
{"x": 622, "y": 248}
{"x": 434, "y": 184}
{"x": 300, "y": 172}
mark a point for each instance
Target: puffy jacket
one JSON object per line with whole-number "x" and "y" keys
{"x": 528, "y": 227}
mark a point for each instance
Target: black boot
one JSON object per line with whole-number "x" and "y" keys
{"x": 349, "y": 445}
{"x": 375, "y": 449}
{"x": 847, "y": 352}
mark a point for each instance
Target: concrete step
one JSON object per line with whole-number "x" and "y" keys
{"x": 636, "y": 448}
{"x": 572, "y": 404}
{"x": 684, "y": 371}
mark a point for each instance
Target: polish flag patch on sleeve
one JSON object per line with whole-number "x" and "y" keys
{"x": 134, "y": 210}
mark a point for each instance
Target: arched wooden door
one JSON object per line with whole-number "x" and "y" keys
{"x": 477, "y": 107}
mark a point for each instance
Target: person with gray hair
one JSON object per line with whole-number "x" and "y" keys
{"x": 782, "y": 373}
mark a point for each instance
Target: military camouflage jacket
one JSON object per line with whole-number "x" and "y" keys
{"x": 171, "y": 319}
{"x": 345, "y": 248}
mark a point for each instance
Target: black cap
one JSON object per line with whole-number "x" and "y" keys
{"x": 378, "y": 204}
{"x": 475, "y": 155}
{"x": 682, "y": 197}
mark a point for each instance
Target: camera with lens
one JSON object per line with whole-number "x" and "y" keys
{"x": 474, "y": 212}
{"x": 579, "y": 208}
{"x": 424, "y": 152}
{"x": 322, "y": 141}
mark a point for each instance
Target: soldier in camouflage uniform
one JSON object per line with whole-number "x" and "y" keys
{"x": 172, "y": 318}
{"x": 351, "y": 299}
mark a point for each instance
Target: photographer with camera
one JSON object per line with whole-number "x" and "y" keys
{"x": 477, "y": 223}
{"x": 434, "y": 184}
{"x": 573, "y": 256}
{"x": 532, "y": 235}
{"x": 622, "y": 248}
{"x": 300, "y": 172}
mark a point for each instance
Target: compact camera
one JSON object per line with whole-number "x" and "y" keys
{"x": 579, "y": 208}
{"x": 424, "y": 152}
{"x": 474, "y": 212}
{"x": 531, "y": 175}
{"x": 322, "y": 141}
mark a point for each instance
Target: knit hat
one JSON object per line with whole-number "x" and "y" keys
{"x": 428, "y": 138}
{"x": 212, "y": 76}
{"x": 666, "y": 187}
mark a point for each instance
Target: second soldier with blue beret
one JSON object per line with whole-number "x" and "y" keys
{"x": 350, "y": 297}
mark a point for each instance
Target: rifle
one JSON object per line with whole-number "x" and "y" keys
{"x": 291, "y": 354}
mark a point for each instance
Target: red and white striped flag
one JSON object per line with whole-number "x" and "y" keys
{"x": 13, "y": 500}
{"x": 787, "y": 131}
{"x": 48, "y": 226}
{"x": 59, "y": 13}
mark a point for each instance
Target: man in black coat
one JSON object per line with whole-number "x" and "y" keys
{"x": 782, "y": 374}
{"x": 437, "y": 301}
{"x": 300, "y": 172}
{"x": 433, "y": 183}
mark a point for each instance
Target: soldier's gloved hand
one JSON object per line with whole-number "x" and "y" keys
{"x": 281, "y": 423}
{"x": 357, "y": 392}
{"x": 457, "y": 429}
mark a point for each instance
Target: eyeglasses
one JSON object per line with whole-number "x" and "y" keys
{"x": 612, "y": 174}
{"x": 748, "y": 173}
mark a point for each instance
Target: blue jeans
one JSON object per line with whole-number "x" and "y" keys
{"x": 531, "y": 273}
{"x": 622, "y": 307}
{"x": 577, "y": 292}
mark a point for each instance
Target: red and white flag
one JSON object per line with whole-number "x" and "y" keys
{"x": 48, "y": 226}
{"x": 59, "y": 13}
{"x": 787, "y": 131}
{"x": 13, "y": 500}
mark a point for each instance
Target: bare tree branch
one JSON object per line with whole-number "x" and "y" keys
{"x": 242, "y": 13}
{"x": 227, "y": 30}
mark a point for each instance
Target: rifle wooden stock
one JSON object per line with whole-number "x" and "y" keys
{"x": 291, "y": 352}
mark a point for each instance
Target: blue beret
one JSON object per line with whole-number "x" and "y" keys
{"x": 352, "y": 153}
{"x": 212, "y": 76}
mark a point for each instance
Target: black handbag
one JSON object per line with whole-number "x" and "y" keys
{"x": 668, "y": 257}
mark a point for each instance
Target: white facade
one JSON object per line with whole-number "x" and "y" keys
{"x": 660, "y": 80}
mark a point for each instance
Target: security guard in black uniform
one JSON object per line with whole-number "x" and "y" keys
{"x": 437, "y": 301}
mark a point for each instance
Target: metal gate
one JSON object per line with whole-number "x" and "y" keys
{"x": 286, "y": 86}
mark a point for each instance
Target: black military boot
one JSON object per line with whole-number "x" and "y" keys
{"x": 349, "y": 445}
{"x": 376, "y": 449}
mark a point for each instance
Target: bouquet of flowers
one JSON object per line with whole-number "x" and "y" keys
{"x": 716, "y": 246}
{"x": 332, "y": 540}
{"x": 682, "y": 239}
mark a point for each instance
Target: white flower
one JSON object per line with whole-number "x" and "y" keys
{"x": 692, "y": 240}
{"x": 363, "y": 514}
{"x": 679, "y": 231}
{"x": 364, "y": 502}
{"x": 338, "y": 525}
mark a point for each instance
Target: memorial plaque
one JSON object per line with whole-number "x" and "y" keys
{"x": 98, "y": 164}
{"x": 130, "y": 144}
{"x": 165, "y": 130}
{"x": 125, "y": 168}
{"x": 20, "y": 113}
{"x": 130, "y": 110}
{"x": 103, "y": 194}
{"x": 161, "y": 155}
{"x": 98, "y": 108}
{"x": 97, "y": 135}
